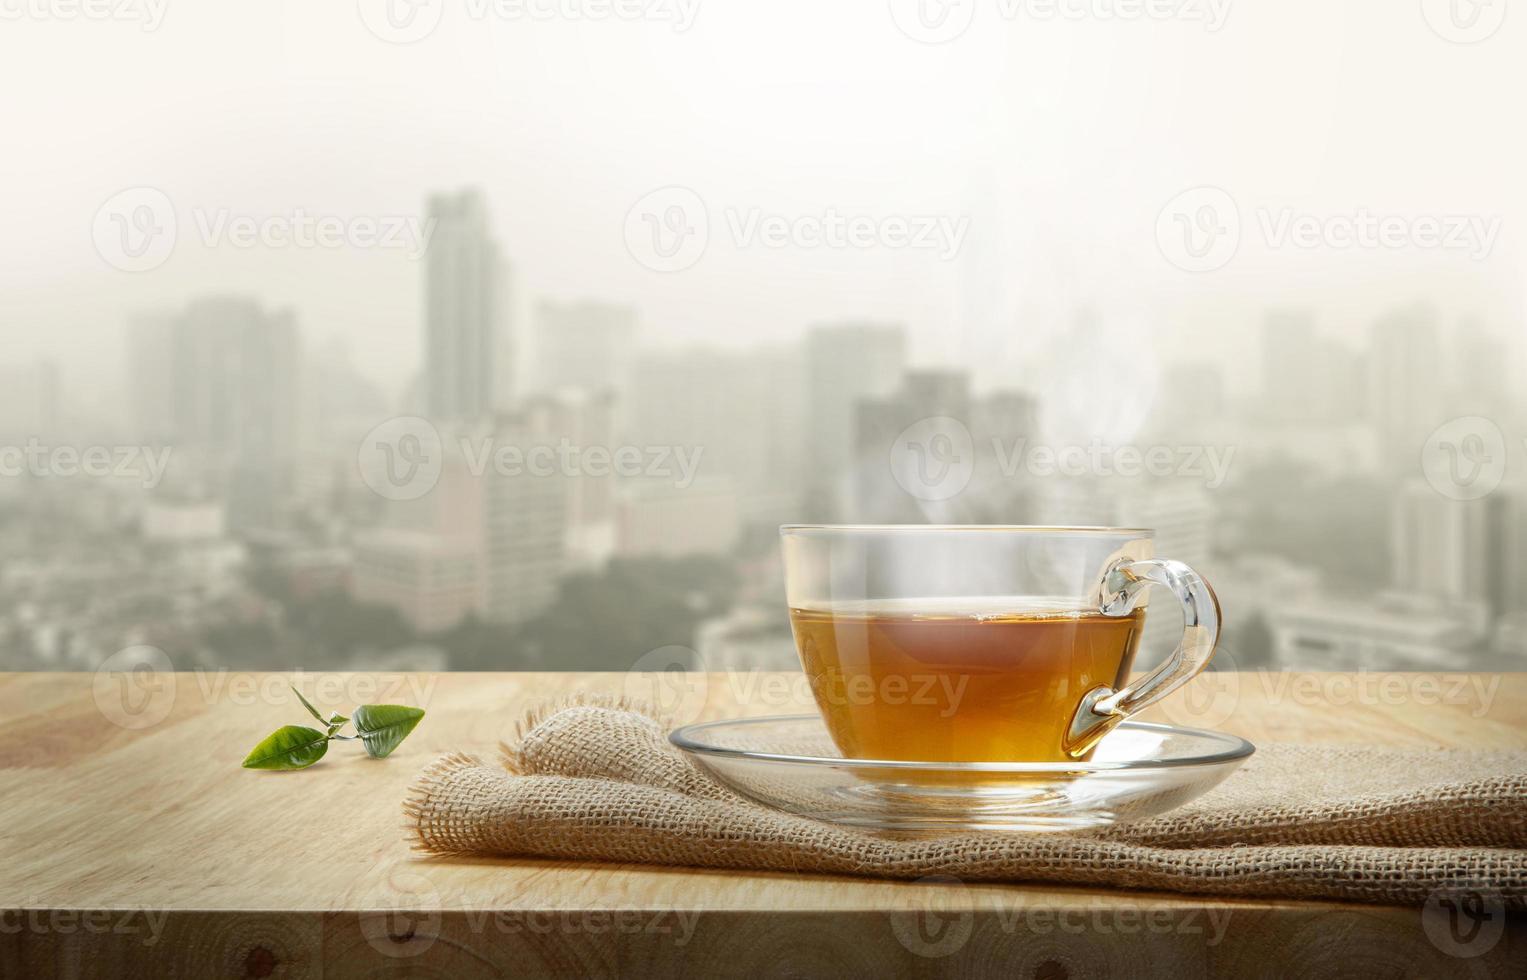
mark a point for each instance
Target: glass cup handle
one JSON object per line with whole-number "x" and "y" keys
{"x": 1123, "y": 584}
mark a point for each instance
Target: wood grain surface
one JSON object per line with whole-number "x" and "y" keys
{"x": 133, "y": 844}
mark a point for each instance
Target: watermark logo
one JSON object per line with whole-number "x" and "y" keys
{"x": 1208, "y": 700}
{"x": 933, "y": 458}
{"x": 401, "y": 21}
{"x": 932, "y": 21}
{"x": 1464, "y": 21}
{"x": 671, "y": 679}
{"x": 939, "y": 925}
{"x": 134, "y": 688}
{"x": 135, "y": 229}
{"x": 1464, "y": 920}
{"x": 1465, "y": 458}
{"x": 1199, "y": 230}
{"x": 404, "y": 920}
{"x": 401, "y": 458}
{"x": 668, "y": 229}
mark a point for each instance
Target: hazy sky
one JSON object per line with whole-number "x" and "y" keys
{"x": 1060, "y": 140}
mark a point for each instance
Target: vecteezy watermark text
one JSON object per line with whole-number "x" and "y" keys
{"x": 406, "y": 21}
{"x": 938, "y": 21}
{"x": 1201, "y": 229}
{"x": 403, "y": 458}
{"x": 146, "y": 463}
{"x": 940, "y": 924}
{"x": 566, "y": 458}
{"x": 136, "y": 230}
{"x": 145, "y": 923}
{"x": 148, "y": 13}
{"x": 941, "y": 233}
{"x": 934, "y": 459}
{"x": 669, "y": 229}
{"x": 1100, "y": 459}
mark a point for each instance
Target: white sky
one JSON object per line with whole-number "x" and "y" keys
{"x": 1060, "y": 140}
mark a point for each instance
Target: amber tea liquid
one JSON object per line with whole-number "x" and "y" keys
{"x": 977, "y": 681}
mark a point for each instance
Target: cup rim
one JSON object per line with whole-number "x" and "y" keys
{"x": 1138, "y": 532}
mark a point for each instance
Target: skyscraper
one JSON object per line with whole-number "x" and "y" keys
{"x": 236, "y": 383}
{"x": 222, "y": 381}
{"x": 29, "y": 401}
{"x": 845, "y": 363}
{"x": 732, "y": 405}
{"x": 584, "y": 345}
{"x": 1454, "y": 550}
{"x": 1406, "y": 383}
{"x": 526, "y": 515}
{"x": 878, "y": 420}
{"x": 466, "y": 293}
{"x": 1308, "y": 379}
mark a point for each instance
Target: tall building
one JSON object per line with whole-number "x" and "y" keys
{"x": 237, "y": 379}
{"x": 879, "y": 420}
{"x": 1392, "y": 633}
{"x": 465, "y": 316}
{"x": 29, "y": 402}
{"x": 1405, "y": 383}
{"x": 1460, "y": 551}
{"x": 526, "y": 521}
{"x": 150, "y": 382}
{"x": 845, "y": 363}
{"x": 490, "y": 536}
{"x": 222, "y": 381}
{"x": 587, "y": 421}
{"x": 657, "y": 518}
{"x": 432, "y": 581}
{"x": 1003, "y": 425}
{"x": 426, "y": 559}
{"x": 1308, "y": 379}
{"x": 585, "y": 345}
{"x": 1482, "y": 372}
{"x": 1192, "y": 399}
{"x": 740, "y": 409}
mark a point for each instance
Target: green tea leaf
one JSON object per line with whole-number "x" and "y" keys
{"x": 336, "y": 722}
{"x": 290, "y": 747}
{"x": 307, "y": 704}
{"x": 383, "y": 726}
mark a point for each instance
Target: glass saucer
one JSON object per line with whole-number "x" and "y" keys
{"x": 1138, "y": 770}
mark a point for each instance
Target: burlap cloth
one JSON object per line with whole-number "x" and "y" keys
{"x": 600, "y": 782}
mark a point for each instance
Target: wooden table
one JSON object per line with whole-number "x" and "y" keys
{"x": 134, "y": 844}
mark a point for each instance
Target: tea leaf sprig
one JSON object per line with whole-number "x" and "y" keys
{"x": 381, "y": 728}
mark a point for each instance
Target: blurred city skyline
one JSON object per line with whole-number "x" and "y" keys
{"x": 300, "y": 328}
{"x": 1369, "y": 477}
